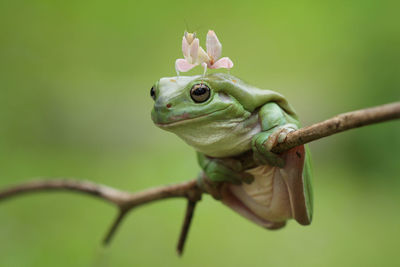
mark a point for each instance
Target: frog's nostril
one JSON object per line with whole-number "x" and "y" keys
{"x": 169, "y": 105}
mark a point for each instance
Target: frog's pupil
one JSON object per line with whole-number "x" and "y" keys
{"x": 152, "y": 93}
{"x": 200, "y": 91}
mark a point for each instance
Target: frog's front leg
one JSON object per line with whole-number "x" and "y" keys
{"x": 276, "y": 124}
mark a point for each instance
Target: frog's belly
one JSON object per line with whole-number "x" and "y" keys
{"x": 267, "y": 196}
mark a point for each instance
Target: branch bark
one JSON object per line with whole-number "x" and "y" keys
{"x": 123, "y": 200}
{"x": 339, "y": 123}
{"x": 126, "y": 201}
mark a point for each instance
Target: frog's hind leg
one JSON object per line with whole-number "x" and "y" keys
{"x": 276, "y": 225}
{"x": 276, "y": 194}
{"x": 229, "y": 198}
{"x": 296, "y": 175}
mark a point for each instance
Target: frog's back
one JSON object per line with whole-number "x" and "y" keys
{"x": 250, "y": 97}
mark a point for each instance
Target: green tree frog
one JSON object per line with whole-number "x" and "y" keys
{"x": 233, "y": 126}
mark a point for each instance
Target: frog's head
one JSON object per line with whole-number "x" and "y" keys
{"x": 210, "y": 112}
{"x": 190, "y": 100}
{"x": 202, "y": 110}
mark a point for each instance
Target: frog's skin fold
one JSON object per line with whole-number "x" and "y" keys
{"x": 233, "y": 129}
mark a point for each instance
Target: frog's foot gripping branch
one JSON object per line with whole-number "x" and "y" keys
{"x": 126, "y": 201}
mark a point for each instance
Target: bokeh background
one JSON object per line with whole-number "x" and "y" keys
{"x": 74, "y": 102}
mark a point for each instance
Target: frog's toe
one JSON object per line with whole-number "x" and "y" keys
{"x": 279, "y": 136}
{"x": 247, "y": 178}
{"x": 262, "y": 152}
{"x": 283, "y": 134}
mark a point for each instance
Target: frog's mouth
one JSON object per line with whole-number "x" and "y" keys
{"x": 230, "y": 199}
{"x": 184, "y": 118}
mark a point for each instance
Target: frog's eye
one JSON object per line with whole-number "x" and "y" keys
{"x": 200, "y": 93}
{"x": 153, "y": 93}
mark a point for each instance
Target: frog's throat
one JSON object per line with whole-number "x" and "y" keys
{"x": 184, "y": 121}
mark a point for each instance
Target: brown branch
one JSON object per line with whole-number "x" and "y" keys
{"x": 191, "y": 205}
{"x": 126, "y": 201}
{"x": 122, "y": 199}
{"x": 339, "y": 123}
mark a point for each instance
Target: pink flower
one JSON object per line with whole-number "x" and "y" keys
{"x": 194, "y": 54}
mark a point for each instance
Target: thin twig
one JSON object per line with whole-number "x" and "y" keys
{"x": 191, "y": 205}
{"x": 193, "y": 197}
{"x": 126, "y": 201}
{"x": 114, "y": 226}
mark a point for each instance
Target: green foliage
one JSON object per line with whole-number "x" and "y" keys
{"x": 75, "y": 78}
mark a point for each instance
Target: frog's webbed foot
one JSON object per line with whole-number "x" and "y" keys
{"x": 211, "y": 187}
{"x": 217, "y": 171}
{"x": 227, "y": 170}
{"x": 279, "y": 135}
{"x": 224, "y": 169}
{"x": 263, "y": 142}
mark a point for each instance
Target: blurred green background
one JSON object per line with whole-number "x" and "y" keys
{"x": 75, "y": 78}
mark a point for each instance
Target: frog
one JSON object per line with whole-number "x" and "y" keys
{"x": 233, "y": 127}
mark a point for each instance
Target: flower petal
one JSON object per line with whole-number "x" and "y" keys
{"x": 194, "y": 49}
{"x": 202, "y": 56}
{"x": 224, "y": 62}
{"x": 214, "y": 47}
{"x": 182, "y": 65}
{"x": 185, "y": 47}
